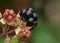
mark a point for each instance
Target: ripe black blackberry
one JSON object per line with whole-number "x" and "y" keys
{"x": 29, "y": 16}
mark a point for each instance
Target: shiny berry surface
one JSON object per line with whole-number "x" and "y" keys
{"x": 8, "y": 15}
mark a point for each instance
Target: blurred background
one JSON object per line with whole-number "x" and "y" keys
{"x": 48, "y": 11}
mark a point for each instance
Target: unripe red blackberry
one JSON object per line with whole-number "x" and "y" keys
{"x": 8, "y": 15}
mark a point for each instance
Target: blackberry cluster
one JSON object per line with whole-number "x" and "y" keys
{"x": 29, "y": 16}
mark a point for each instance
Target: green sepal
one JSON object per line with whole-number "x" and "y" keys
{"x": 15, "y": 39}
{"x": 0, "y": 15}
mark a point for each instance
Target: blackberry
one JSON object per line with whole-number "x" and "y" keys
{"x": 29, "y": 16}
